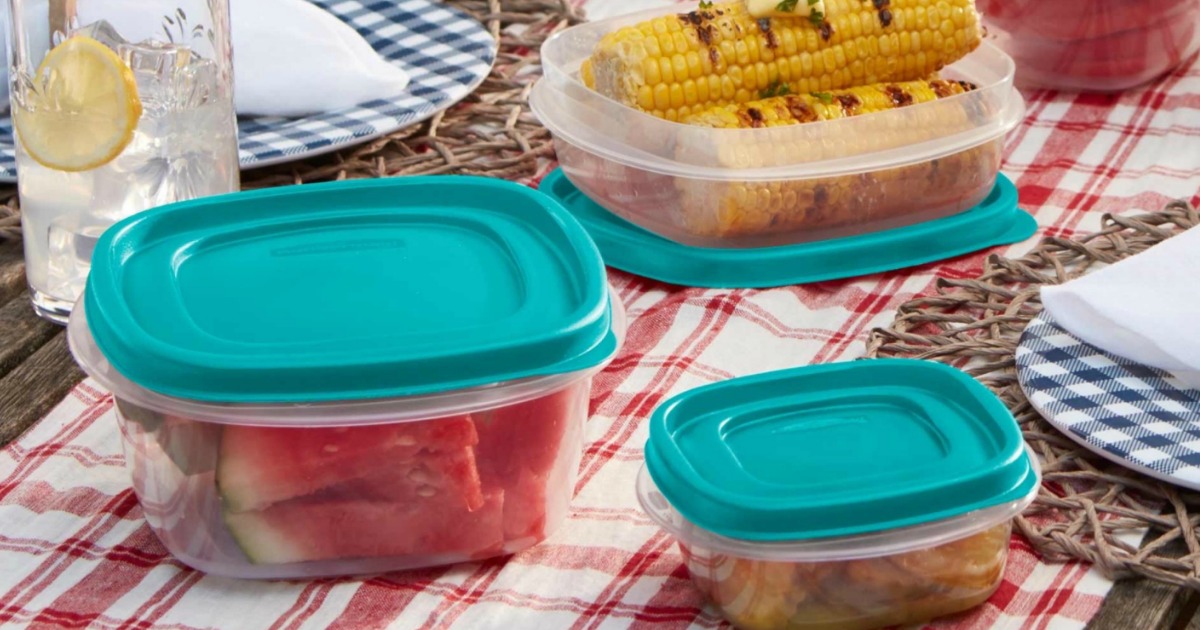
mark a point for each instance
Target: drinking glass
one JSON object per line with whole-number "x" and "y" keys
{"x": 118, "y": 106}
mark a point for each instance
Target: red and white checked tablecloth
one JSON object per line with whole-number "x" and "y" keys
{"x": 74, "y": 550}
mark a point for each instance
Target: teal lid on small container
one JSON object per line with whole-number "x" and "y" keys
{"x": 625, "y": 246}
{"x": 837, "y": 450}
{"x": 349, "y": 290}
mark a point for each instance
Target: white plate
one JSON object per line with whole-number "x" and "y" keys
{"x": 1137, "y": 416}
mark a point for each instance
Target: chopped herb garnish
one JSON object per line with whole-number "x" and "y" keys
{"x": 786, "y": 6}
{"x": 775, "y": 89}
{"x": 816, "y": 17}
{"x": 706, "y": 4}
{"x": 824, "y": 97}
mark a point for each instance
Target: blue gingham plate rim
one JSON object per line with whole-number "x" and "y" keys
{"x": 1134, "y": 415}
{"x": 446, "y": 53}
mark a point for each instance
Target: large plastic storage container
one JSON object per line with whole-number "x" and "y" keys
{"x": 350, "y": 378}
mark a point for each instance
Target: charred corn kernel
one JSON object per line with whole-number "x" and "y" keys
{"x": 805, "y": 108}
{"x": 855, "y": 42}
{"x": 585, "y": 74}
{"x": 788, "y": 211}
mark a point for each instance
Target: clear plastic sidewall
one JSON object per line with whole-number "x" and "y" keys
{"x": 725, "y": 214}
{"x": 280, "y": 503}
{"x": 857, "y": 547}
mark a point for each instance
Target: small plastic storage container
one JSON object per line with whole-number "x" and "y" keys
{"x": 737, "y": 188}
{"x": 850, "y": 496}
{"x": 350, "y": 378}
{"x": 1094, "y": 45}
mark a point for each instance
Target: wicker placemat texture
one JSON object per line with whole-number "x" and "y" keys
{"x": 491, "y": 132}
{"x": 1086, "y": 501}
{"x": 10, "y": 221}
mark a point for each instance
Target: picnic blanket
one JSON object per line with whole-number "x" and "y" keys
{"x": 75, "y": 551}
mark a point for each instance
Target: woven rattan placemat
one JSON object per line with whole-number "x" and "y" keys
{"x": 1085, "y": 502}
{"x": 491, "y": 132}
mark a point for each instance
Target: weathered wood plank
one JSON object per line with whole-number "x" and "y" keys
{"x": 1143, "y": 605}
{"x": 1147, "y": 605}
{"x": 30, "y": 390}
{"x": 12, "y": 270}
{"x": 22, "y": 332}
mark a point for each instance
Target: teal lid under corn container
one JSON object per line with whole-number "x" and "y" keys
{"x": 837, "y": 450}
{"x": 995, "y": 221}
{"x": 349, "y": 290}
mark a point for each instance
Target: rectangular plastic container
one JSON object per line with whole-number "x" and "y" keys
{"x": 850, "y": 496}
{"x": 1094, "y": 45}
{"x": 529, "y": 438}
{"x": 350, "y": 378}
{"x": 829, "y": 179}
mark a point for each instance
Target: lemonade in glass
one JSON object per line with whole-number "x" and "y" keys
{"x": 118, "y": 106}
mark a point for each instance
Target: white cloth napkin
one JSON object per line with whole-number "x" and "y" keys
{"x": 1145, "y": 308}
{"x": 291, "y": 58}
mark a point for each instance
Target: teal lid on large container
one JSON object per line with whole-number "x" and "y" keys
{"x": 349, "y": 290}
{"x": 837, "y": 450}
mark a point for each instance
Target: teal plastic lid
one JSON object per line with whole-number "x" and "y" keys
{"x": 625, "y": 246}
{"x": 837, "y": 450}
{"x": 349, "y": 290}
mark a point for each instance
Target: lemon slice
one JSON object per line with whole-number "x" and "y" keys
{"x": 85, "y": 108}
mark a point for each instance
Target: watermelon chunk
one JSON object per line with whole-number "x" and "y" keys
{"x": 520, "y": 451}
{"x": 317, "y": 528}
{"x": 303, "y": 495}
{"x": 259, "y": 466}
{"x": 526, "y": 435}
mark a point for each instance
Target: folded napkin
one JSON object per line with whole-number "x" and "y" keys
{"x": 291, "y": 58}
{"x": 1142, "y": 308}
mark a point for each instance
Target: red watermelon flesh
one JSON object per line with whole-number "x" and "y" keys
{"x": 525, "y": 507}
{"x": 258, "y": 466}
{"x": 526, "y": 436}
{"x": 520, "y": 450}
{"x": 450, "y": 477}
{"x": 318, "y": 528}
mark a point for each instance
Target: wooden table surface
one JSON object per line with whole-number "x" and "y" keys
{"x": 36, "y": 372}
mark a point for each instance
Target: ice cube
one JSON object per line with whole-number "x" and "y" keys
{"x": 102, "y": 32}
{"x": 159, "y": 59}
{"x": 156, "y": 67}
{"x": 197, "y": 84}
{"x": 71, "y": 243}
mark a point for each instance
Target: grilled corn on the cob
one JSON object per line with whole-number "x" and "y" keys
{"x": 776, "y": 211}
{"x": 814, "y": 107}
{"x": 673, "y": 66}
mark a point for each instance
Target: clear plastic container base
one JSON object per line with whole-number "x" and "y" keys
{"x": 308, "y": 490}
{"x": 877, "y": 580}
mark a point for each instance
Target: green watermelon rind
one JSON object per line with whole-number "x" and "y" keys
{"x": 259, "y": 541}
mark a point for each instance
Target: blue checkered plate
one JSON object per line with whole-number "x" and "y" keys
{"x": 445, "y": 52}
{"x": 1137, "y": 416}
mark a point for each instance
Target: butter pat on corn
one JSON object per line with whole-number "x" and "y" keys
{"x": 813, "y": 9}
